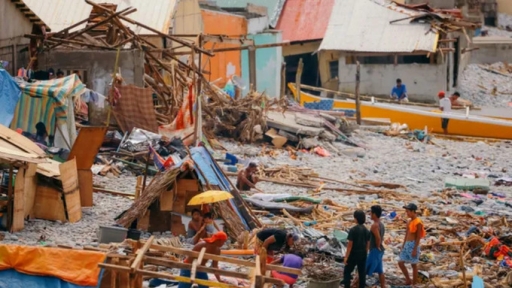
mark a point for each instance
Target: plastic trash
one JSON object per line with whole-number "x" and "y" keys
{"x": 230, "y": 89}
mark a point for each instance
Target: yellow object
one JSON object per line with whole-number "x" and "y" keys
{"x": 415, "y": 118}
{"x": 78, "y": 267}
{"x": 209, "y": 197}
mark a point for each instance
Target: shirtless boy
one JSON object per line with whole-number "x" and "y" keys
{"x": 410, "y": 249}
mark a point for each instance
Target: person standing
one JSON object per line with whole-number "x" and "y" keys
{"x": 445, "y": 105}
{"x": 399, "y": 92}
{"x": 357, "y": 249}
{"x": 213, "y": 246}
{"x": 374, "y": 261}
{"x": 411, "y": 247}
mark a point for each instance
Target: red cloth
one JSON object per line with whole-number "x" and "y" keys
{"x": 217, "y": 236}
{"x": 287, "y": 279}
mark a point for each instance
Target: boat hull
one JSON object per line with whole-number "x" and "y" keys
{"x": 473, "y": 126}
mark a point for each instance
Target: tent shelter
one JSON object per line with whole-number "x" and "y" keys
{"x": 50, "y": 102}
{"x": 9, "y": 96}
{"x": 164, "y": 202}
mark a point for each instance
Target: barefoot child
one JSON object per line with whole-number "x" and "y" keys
{"x": 374, "y": 261}
{"x": 411, "y": 250}
{"x": 357, "y": 249}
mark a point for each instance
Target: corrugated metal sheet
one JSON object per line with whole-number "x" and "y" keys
{"x": 59, "y": 14}
{"x": 363, "y": 26}
{"x": 303, "y": 20}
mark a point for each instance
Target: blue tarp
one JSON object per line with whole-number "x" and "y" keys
{"x": 14, "y": 279}
{"x": 214, "y": 175}
{"x": 10, "y": 94}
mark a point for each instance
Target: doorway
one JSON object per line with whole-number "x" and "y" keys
{"x": 456, "y": 61}
{"x": 310, "y": 73}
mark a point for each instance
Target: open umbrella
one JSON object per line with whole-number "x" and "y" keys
{"x": 209, "y": 197}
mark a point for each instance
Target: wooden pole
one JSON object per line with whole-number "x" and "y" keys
{"x": 9, "y": 200}
{"x": 358, "y": 101}
{"x": 462, "y": 265}
{"x": 298, "y": 77}
{"x": 283, "y": 79}
{"x": 14, "y": 59}
{"x": 252, "y": 67}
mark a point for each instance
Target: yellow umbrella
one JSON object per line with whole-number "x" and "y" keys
{"x": 209, "y": 197}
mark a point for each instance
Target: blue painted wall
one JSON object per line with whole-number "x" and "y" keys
{"x": 268, "y": 64}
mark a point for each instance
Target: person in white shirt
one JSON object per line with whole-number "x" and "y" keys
{"x": 445, "y": 105}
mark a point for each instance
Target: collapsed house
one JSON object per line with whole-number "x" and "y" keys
{"x": 163, "y": 204}
{"x": 435, "y": 43}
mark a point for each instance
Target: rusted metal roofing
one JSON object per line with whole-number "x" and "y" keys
{"x": 363, "y": 26}
{"x": 60, "y": 14}
{"x": 303, "y": 20}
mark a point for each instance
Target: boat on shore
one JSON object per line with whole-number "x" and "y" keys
{"x": 461, "y": 123}
{"x": 499, "y": 113}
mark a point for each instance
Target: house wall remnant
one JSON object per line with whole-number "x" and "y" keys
{"x": 268, "y": 64}
{"x": 13, "y": 26}
{"x": 224, "y": 64}
{"x": 423, "y": 81}
{"x": 99, "y": 65}
{"x": 491, "y": 50}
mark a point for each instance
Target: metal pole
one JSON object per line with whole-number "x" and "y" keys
{"x": 358, "y": 101}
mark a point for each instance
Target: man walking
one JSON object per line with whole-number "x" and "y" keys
{"x": 411, "y": 248}
{"x": 445, "y": 105}
{"x": 374, "y": 261}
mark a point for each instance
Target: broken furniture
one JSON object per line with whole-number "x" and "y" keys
{"x": 161, "y": 204}
{"x": 150, "y": 260}
{"x": 57, "y": 194}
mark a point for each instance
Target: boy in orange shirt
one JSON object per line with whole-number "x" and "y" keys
{"x": 410, "y": 249}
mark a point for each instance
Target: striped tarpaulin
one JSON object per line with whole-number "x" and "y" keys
{"x": 45, "y": 101}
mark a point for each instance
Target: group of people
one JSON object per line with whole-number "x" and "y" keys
{"x": 206, "y": 234}
{"x": 365, "y": 248}
{"x": 445, "y": 105}
{"x": 399, "y": 93}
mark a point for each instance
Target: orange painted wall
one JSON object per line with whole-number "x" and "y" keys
{"x": 224, "y": 24}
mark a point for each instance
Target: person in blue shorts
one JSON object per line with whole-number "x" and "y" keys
{"x": 374, "y": 260}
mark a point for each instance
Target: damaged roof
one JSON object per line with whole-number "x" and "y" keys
{"x": 303, "y": 20}
{"x": 364, "y": 26}
{"x": 60, "y": 14}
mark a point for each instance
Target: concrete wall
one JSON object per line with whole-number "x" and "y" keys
{"x": 224, "y": 64}
{"x": 423, "y": 81}
{"x": 268, "y": 64}
{"x": 99, "y": 66}
{"x": 13, "y": 25}
{"x": 257, "y": 25}
{"x": 492, "y": 51}
{"x": 324, "y": 59}
{"x": 505, "y": 6}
